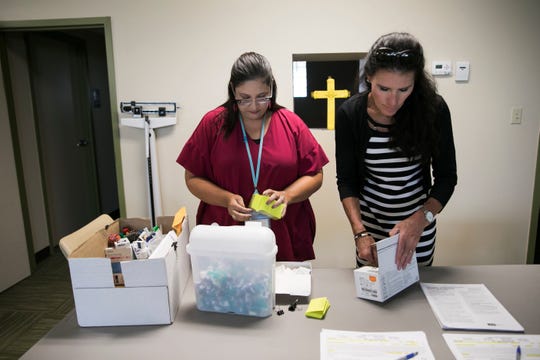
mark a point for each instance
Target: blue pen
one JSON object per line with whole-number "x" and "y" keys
{"x": 408, "y": 356}
{"x": 518, "y": 353}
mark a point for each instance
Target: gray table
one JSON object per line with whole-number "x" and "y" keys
{"x": 205, "y": 335}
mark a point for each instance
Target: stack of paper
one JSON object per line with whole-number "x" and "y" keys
{"x": 374, "y": 345}
{"x": 293, "y": 278}
{"x": 468, "y": 307}
{"x": 493, "y": 346}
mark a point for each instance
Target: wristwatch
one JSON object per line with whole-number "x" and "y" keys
{"x": 428, "y": 215}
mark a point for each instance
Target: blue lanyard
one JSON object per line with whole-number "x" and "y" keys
{"x": 254, "y": 175}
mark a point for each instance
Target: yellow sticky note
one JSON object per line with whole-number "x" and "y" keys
{"x": 258, "y": 203}
{"x": 318, "y": 307}
{"x": 178, "y": 219}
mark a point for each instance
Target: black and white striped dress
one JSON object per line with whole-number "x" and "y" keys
{"x": 393, "y": 191}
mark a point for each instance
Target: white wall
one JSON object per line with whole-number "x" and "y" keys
{"x": 182, "y": 51}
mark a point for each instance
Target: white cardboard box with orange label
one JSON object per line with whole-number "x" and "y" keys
{"x": 152, "y": 287}
{"x": 383, "y": 282}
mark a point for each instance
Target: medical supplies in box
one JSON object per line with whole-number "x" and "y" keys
{"x": 152, "y": 287}
{"x": 233, "y": 268}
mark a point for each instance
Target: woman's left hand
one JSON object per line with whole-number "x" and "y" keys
{"x": 410, "y": 230}
{"x": 276, "y": 198}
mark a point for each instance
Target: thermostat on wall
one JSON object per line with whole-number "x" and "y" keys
{"x": 462, "y": 70}
{"x": 441, "y": 67}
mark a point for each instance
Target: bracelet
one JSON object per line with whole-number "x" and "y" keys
{"x": 361, "y": 235}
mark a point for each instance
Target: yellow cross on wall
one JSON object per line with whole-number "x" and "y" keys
{"x": 331, "y": 94}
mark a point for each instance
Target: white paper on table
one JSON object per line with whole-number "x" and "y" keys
{"x": 468, "y": 307}
{"x": 492, "y": 346}
{"x": 293, "y": 280}
{"x": 345, "y": 345}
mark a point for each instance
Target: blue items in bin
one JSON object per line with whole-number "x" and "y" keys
{"x": 229, "y": 290}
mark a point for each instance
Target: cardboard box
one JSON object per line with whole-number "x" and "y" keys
{"x": 383, "y": 282}
{"x": 373, "y": 284}
{"x": 153, "y": 287}
{"x": 233, "y": 268}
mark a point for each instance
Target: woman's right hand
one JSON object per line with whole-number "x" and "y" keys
{"x": 237, "y": 209}
{"x": 366, "y": 250}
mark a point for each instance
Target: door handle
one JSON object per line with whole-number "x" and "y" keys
{"x": 82, "y": 143}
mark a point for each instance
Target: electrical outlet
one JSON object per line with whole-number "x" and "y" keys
{"x": 516, "y": 115}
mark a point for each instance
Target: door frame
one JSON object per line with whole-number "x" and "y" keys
{"x": 534, "y": 244}
{"x": 68, "y": 24}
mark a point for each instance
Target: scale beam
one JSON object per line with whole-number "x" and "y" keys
{"x": 150, "y": 116}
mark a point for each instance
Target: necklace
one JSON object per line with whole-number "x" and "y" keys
{"x": 378, "y": 126}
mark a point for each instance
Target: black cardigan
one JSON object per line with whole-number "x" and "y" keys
{"x": 352, "y": 134}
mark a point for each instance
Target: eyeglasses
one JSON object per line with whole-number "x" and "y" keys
{"x": 258, "y": 100}
{"x": 388, "y": 54}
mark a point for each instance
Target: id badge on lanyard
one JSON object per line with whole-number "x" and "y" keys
{"x": 255, "y": 216}
{"x": 258, "y": 217}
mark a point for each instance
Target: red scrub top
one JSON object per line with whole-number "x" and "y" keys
{"x": 289, "y": 152}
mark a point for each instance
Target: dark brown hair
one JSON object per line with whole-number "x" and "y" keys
{"x": 414, "y": 131}
{"x": 249, "y": 66}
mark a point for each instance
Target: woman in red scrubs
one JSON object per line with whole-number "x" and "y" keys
{"x": 248, "y": 145}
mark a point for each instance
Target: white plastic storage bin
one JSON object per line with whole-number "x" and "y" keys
{"x": 233, "y": 268}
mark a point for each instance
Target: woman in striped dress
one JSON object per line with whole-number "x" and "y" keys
{"x": 395, "y": 155}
